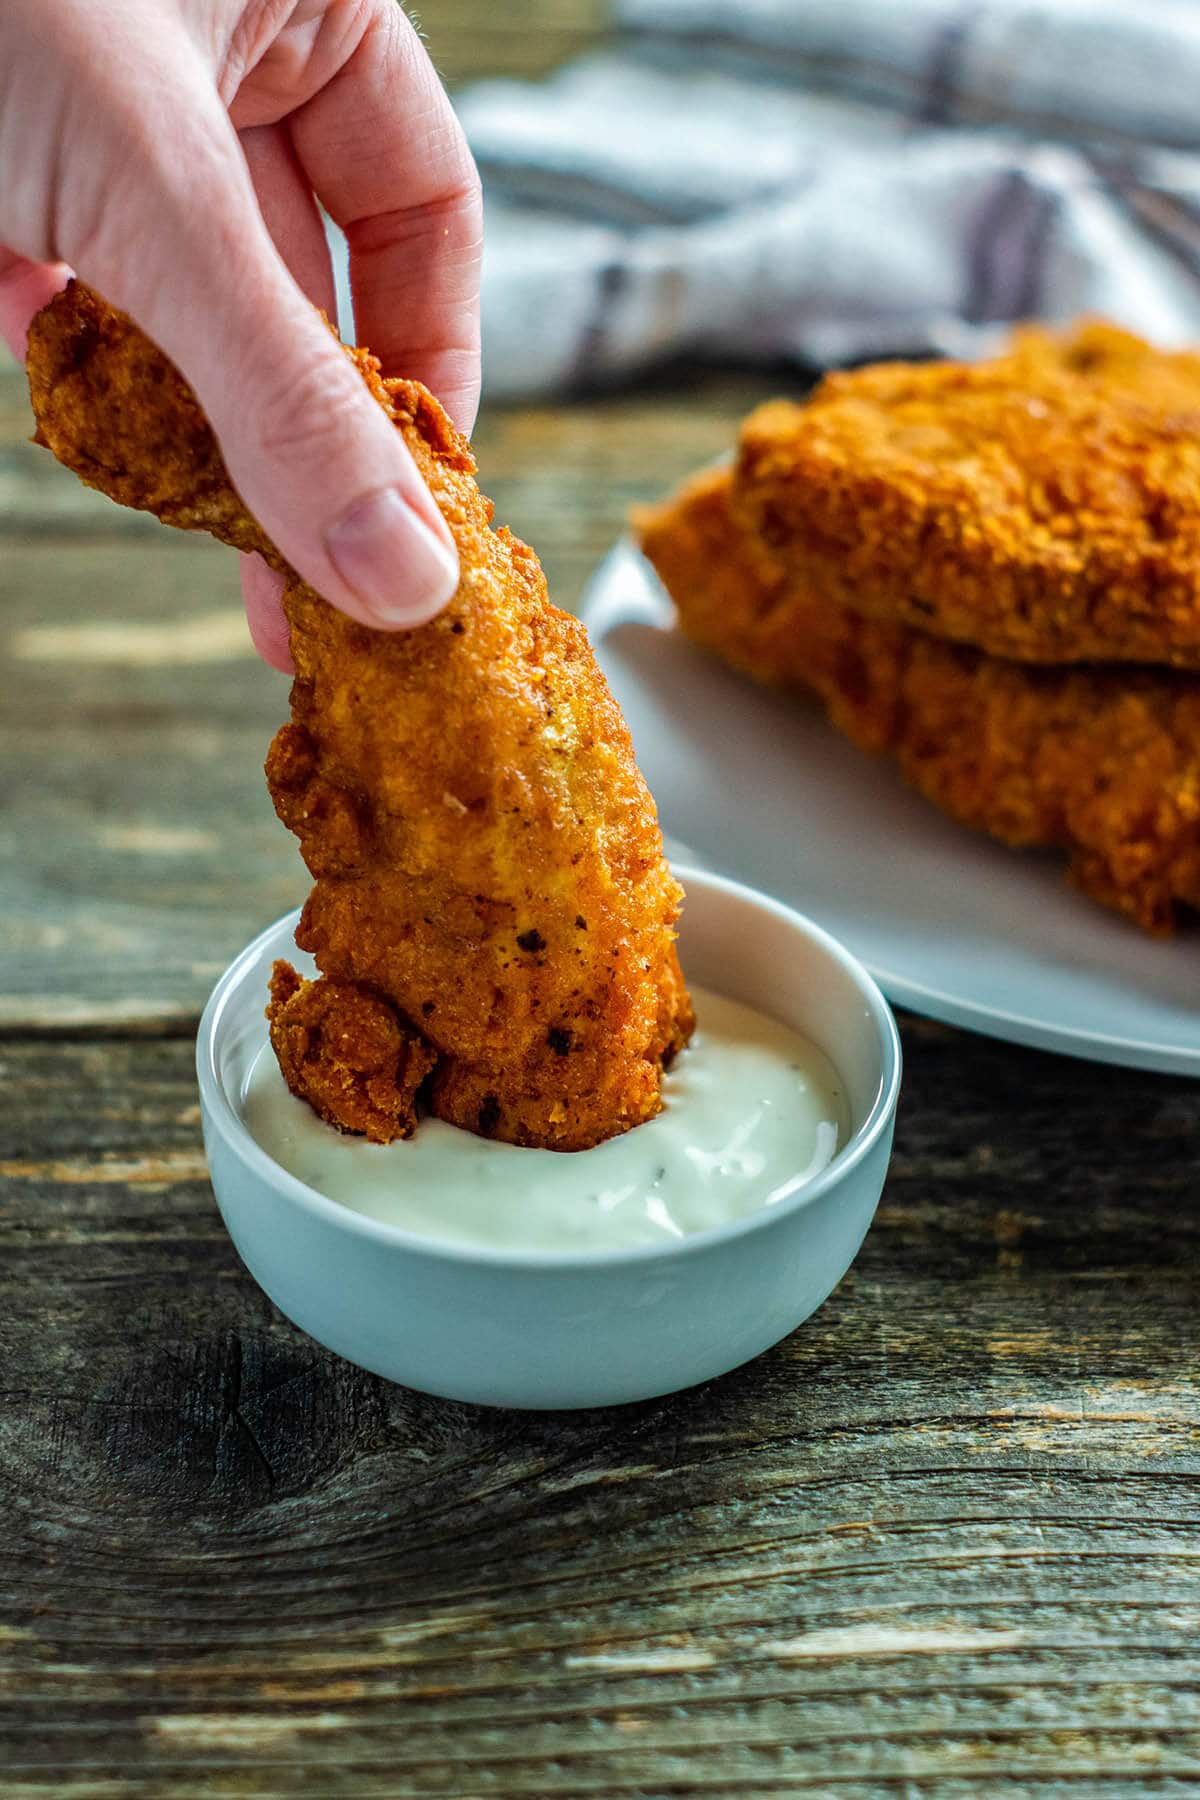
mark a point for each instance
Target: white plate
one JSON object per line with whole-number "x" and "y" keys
{"x": 757, "y": 786}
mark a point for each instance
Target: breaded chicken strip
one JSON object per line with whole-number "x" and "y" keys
{"x": 491, "y": 895}
{"x": 1103, "y": 762}
{"x": 1043, "y": 506}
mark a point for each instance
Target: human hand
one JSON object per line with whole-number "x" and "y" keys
{"x": 169, "y": 151}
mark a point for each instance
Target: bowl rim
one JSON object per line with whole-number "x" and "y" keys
{"x": 222, "y": 1116}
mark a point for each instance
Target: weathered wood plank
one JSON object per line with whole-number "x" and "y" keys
{"x": 470, "y": 40}
{"x": 948, "y": 1532}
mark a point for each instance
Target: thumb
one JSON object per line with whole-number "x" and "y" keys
{"x": 312, "y": 455}
{"x": 25, "y": 287}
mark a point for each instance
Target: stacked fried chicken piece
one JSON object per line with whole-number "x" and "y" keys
{"x": 990, "y": 572}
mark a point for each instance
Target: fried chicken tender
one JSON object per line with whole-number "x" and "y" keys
{"x": 348, "y": 1054}
{"x": 492, "y": 914}
{"x": 1044, "y": 506}
{"x": 1101, "y": 761}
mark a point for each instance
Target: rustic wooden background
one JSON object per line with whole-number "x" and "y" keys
{"x": 944, "y": 1542}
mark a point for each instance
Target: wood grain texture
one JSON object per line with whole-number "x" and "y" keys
{"x": 942, "y": 1540}
{"x": 942, "y": 1543}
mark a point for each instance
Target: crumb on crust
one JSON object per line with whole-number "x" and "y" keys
{"x": 348, "y": 1053}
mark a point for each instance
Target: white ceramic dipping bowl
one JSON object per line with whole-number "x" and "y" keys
{"x": 505, "y": 1328}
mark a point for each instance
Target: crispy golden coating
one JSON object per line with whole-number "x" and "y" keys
{"x": 487, "y": 860}
{"x": 1103, "y": 762}
{"x": 348, "y": 1054}
{"x": 1043, "y": 506}
{"x": 113, "y": 409}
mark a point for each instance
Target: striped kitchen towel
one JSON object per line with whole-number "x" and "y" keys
{"x": 824, "y": 180}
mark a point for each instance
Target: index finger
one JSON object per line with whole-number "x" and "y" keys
{"x": 388, "y": 159}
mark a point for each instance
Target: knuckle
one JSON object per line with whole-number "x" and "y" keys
{"x": 467, "y": 197}
{"x": 299, "y": 416}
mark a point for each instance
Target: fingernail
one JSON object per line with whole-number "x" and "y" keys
{"x": 400, "y": 571}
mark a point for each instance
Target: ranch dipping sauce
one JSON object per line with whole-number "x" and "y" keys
{"x": 751, "y": 1111}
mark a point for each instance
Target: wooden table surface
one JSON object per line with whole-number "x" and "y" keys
{"x": 943, "y": 1541}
